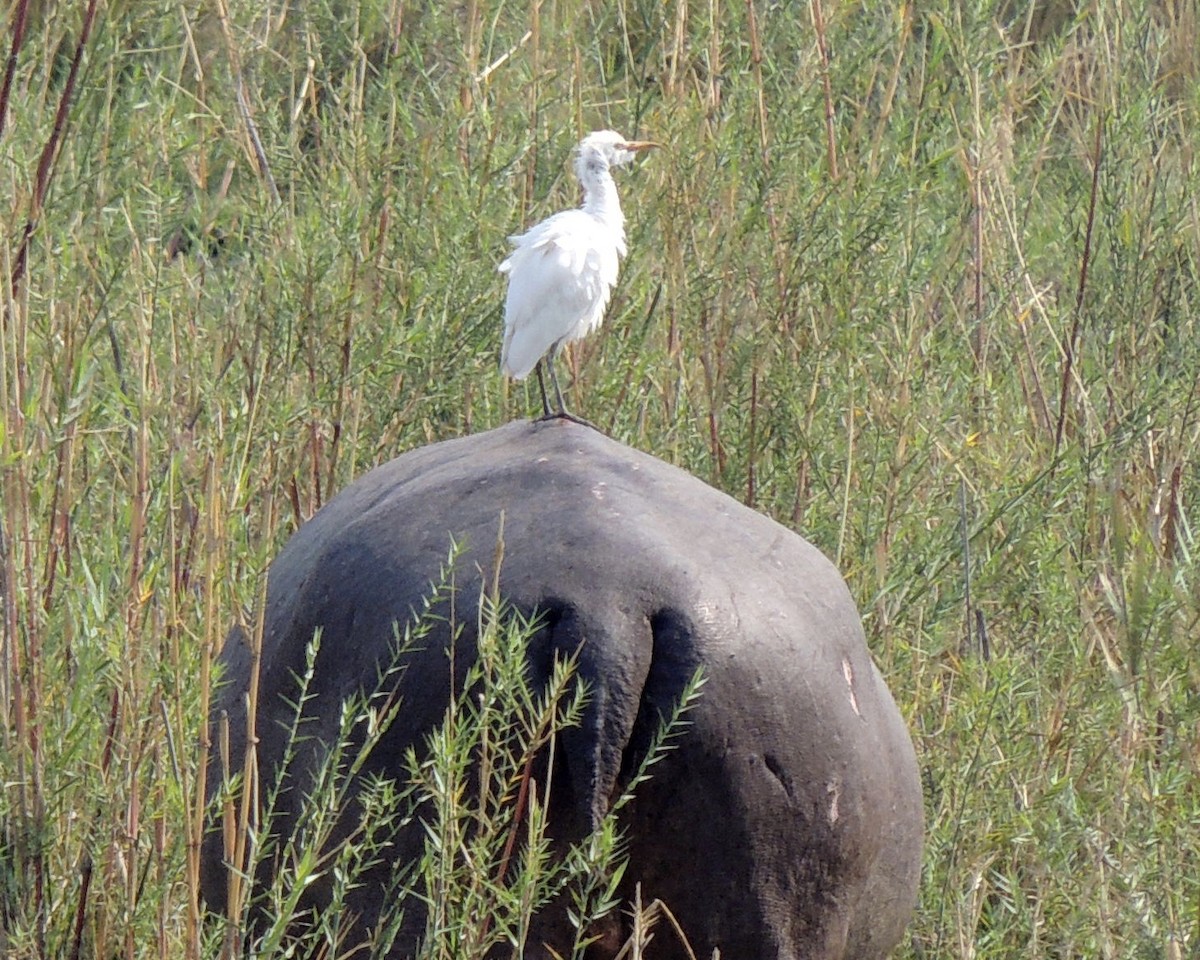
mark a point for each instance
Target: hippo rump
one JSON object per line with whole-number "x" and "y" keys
{"x": 787, "y": 822}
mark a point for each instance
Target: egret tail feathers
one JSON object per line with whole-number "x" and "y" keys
{"x": 520, "y": 354}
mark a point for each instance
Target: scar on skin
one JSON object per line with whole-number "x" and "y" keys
{"x": 848, "y": 673}
{"x": 833, "y": 788}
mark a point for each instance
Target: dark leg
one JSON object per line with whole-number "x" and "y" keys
{"x": 546, "y": 414}
{"x": 562, "y": 404}
{"x": 563, "y": 413}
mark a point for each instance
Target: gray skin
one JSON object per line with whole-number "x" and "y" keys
{"x": 787, "y": 823}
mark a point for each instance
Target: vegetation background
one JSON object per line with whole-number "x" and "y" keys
{"x": 920, "y": 281}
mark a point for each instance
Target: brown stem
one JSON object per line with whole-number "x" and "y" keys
{"x": 764, "y": 142}
{"x": 46, "y": 161}
{"x": 977, "y": 237}
{"x": 518, "y": 814}
{"x": 751, "y": 474}
{"x": 85, "y": 885}
{"x": 511, "y": 843}
{"x": 10, "y": 69}
{"x": 1073, "y": 341}
{"x": 342, "y": 403}
{"x": 823, "y": 50}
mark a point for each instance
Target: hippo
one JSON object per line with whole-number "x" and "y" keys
{"x": 786, "y": 823}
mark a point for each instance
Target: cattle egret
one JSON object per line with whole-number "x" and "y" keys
{"x": 561, "y": 272}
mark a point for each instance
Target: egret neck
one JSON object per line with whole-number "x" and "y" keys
{"x": 561, "y": 272}
{"x": 600, "y": 197}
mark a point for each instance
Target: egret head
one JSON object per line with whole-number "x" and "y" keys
{"x": 603, "y": 149}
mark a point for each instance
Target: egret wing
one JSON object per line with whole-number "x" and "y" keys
{"x": 560, "y": 275}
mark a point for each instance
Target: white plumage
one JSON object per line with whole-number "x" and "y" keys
{"x": 562, "y": 271}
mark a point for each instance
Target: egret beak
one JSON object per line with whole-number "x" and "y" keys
{"x": 635, "y": 145}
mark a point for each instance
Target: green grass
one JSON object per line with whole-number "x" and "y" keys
{"x": 853, "y": 291}
{"x": 490, "y": 869}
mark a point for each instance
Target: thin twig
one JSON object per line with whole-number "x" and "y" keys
{"x": 260, "y": 155}
{"x": 243, "y": 104}
{"x": 534, "y": 89}
{"x": 46, "y": 161}
{"x": 752, "y": 452}
{"x": 823, "y": 50}
{"x": 502, "y": 59}
{"x": 965, "y": 531}
{"x": 518, "y": 815}
{"x": 14, "y": 51}
{"x": 977, "y": 265}
{"x": 343, "y": 380}
{"x": 764, "y": 142}
{"x": 975, "y": 168}
{"x": 841, "y": 546}
{"x": 77, "y": 929}
{"x": 1073, "y": 341}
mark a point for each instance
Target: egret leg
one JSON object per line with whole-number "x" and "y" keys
{"x": 558, "y": 394}
{"x": 546, "y": 413}
{"x": 563, "y": 413}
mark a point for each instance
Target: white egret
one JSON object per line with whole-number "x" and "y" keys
{"x": 562, "y": 271}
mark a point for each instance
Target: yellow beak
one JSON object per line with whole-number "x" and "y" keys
{"x": 636, "y": 145}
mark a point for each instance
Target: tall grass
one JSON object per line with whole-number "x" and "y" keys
{"x": 477, "y": 791}
{"x": 902, "y": 273}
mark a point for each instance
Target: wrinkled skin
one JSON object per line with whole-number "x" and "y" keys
{"x": 787, "y": 823}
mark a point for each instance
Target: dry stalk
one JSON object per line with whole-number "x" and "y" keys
{"x": 846, "y": 487}
{"x": 889, "y": 97}
{"x": 644, "y": 920}
{"x": 710, "y": 95}
{"x": 975, "y": 167}
{"x": 50, "y": 150}
{"x": 764, "y": 141}
{"x": 343, "y": 400}
{"x": 22, "y": 638}
{"x": 535, "y": 63}
{"x": 14, "y": 51}
{"x": 194, "y": 826}
{"x": 823, "y": 51}
{"x": 258, "y": 154}
{"x": 965, "y": 535}
{"x": 469, "y": 83}
{"x": 752, "y": 440}
{"x": 1073, "y": 341}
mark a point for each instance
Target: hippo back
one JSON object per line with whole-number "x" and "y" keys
{"x": 786, "y": 823}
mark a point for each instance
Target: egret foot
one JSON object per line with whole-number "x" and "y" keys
{"x": 567, "y": 415}
{"x": 557, "y": 297}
